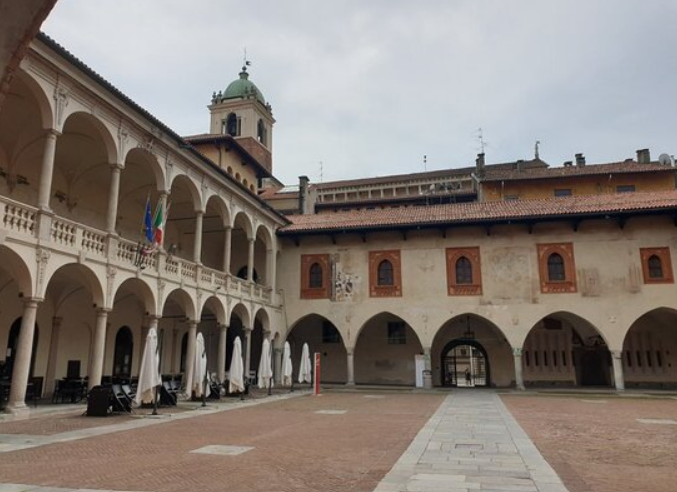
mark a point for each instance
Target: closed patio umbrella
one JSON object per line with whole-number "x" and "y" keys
{"x": 149, "y": 377}
{"x": 305, "y": 369}
{"x": 287, "y": 367}
{"x": 236, "y": 373}
{"x": 200, "y": 368}
{"x": 265, "y": 366}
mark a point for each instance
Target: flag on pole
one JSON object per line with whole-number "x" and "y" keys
{"x": 148, "y": 222}
{"x": 159, "y": 224}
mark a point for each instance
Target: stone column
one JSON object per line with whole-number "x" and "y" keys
{"x": 617, "y": 362}
{"x": 22, "y": 361}
{"x": 142, "y": 343}
{"x": 98, "y": 349}
{"x": 427, "y": 369}
{"x": 47, "y": 170}
{"x": 519, "y": 379}
{"x": 53, "y": 351}
{"x": 197, "y": 244}
{"x": 247, "y": 350}
{"x": 113, "y": 197}
{"x": 190, "y": 355}
{"x": 277, "y": 365}
{"x": 351, "y": 368}
{"x": 250, "y": 260}
{"x": 226, "y": 249}
{"x": 221, "y": 357}
{"x": 271, "y": 268}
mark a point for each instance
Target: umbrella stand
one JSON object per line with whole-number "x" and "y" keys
{"x": 270, "y": 381}
{"x": 204, "y": 391}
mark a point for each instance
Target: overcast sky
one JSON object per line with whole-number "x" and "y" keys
{"x": 369, "y": 87}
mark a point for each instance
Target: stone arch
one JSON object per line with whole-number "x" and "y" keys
{"x": 322, "y": 335}
{"x": 41, "y": 97}
{"x": 263, "y": 316}
{"x": 216, "y": 306}
{"x": 386, "y": 336}
{"x": 472, "y": 330}
{"x": 57, "y": 284}
{"x": 184, "y": 300}
{"x": 263, "y": 243}
{"x": 215, "y": 223}
{"x": 362, "y": 321}
{"x": 109, "y": 140}
{"x": 193, "y": 190}
{"x": 565, "y": 349}
{"x": 241, "y": 311}
{"x": 15, "y": 266}
{"x": 138, "y": 288}
{"x": 649, "y": 352}
{"x": 241, "y": 233}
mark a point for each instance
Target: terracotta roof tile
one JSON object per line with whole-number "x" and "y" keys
{"x": 493, "y": 174}
{"x": 461, "y": 213}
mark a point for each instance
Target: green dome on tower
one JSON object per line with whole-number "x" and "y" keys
{"x": 243, "y": 88}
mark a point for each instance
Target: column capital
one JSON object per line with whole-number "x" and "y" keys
{"x": 617, "y": 354}
{"x": 52, "y": 132}
{"x": 247, "y": 330}
{"x": 192, "y": 323}
{"x": 251, "y": 240}
{"x": 116, "y": 166}
{"x": 103, "y": 311}
{"x": 199, "y": 213}
{"x": 32, "y": 301}
{"x": 517, "y": 351}
{"x": 222, "y": 326}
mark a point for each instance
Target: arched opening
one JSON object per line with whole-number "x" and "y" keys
{"x": 385, "y": 273}
{"x": 465, "y": 364}
{"x": 322, "y": 336}
{"x": 556, "y": 272}
{"x": 124, "y": 350}
{"x": 177, "y": 312}
{"x": 239, "y": 319}
{"x": 261, "y": 132}
{"x": 463, "y": 271}
{"x": 650, "y": 350}
{"x": 214, "y": 233}
{"x": 84, "y": 153}
{"x": 262, "y": 246}
{"x": 239, "y": 245}
{"x": 564, "y": 349}
{"x": 655, "y": 266}
{"x": 10, "y": 352}
{"x": 181, "y": 222}
{"x": 315, "y": 276}
{"x": 473, "y": 343}
{"x": 385, "y": 351}
{"x": 140, "y": 181}
{"x": 232, "y": 126}
{"x": 213, "y": 313}
{"x": 25, "y": 113}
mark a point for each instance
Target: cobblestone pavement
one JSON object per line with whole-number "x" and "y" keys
{"x": 472, "y": 443}
{"x": 604, "y": 443}
{"x": 271, "y": 445}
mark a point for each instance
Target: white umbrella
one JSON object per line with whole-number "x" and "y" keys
{"x": 236, "y": 373}
{"x": 149, "y": 377}
{"x": 200, "y": 368}
{"x": 305, "y": 369}
{"x": 287, "y": 367}
{"x": 265, "y": 366}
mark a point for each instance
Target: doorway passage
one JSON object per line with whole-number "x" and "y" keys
{"x": 465, "y": 364}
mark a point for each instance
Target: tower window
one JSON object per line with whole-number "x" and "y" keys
{"x": 233, "y": 125}
{"x": 385, "y": 273}
{"x": 655, "y": 267}
{"x": 262, "y": 132}
{"x": 315, "y": 276}
{"x": 463, "y": 271}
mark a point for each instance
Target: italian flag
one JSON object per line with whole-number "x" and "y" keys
{"x": 159, "y": 224}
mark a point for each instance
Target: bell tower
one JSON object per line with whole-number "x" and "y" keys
{"x": 242, "y": 112}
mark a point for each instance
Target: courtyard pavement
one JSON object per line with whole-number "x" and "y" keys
{"x": 381, "y": 441}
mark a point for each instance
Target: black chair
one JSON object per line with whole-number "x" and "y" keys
{"x": 120, "y": 401}
{"x": 34, "y": 390}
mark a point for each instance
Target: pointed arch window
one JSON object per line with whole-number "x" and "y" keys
{"x": 315, "y": 282}
{"x": 385, "y": 274}
{"x": 656, "y": 265}
{"x": 463, "y": 272}
{"x": 556, "y": 268}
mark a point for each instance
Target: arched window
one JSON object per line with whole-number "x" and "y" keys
{"x": 463, "y": 271}
{"x": 231, "y": 125}
{"x": 124, "y": 348}
{"x": 385, "y": 273}
{"x": 245, "y": 182}
{"x": 261, "y": 132}
{"x": 242, "y": 273}
{"x": 238, "y": 177}
{"x": 556, "y": 268}
{"x": 315, "y": 276}
{"x": 230, "y": 170}
{"x": 655, "y": 267}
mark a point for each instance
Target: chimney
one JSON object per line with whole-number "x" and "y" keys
{"x": 568, "y": 163}
{"x": 580, "y": 160}
{"x": 303, "y": 193}
{"x": 520, "y": 165}
{"x": 643, "y": 156}
{"x": 479, "y": 165}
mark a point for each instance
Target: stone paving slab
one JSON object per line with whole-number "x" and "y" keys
{"x": 472, "y": 443}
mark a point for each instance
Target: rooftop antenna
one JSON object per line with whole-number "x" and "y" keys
{"x": 321, "y": 172}
{"x": 536, "y": 147}
{"x": 480, "y": 138}
{"x": 425, "y": 162}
